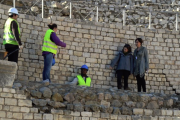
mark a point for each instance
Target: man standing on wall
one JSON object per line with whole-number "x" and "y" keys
{"x": 11, "y": 37}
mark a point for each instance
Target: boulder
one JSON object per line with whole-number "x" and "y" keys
{"x": 39, "y": 102}
{"x": 46, "y": 92}
{"x": 78, "y": 108}
{"x": 35, "y": 93}
{"x": 126, "y": 111}
{"x": 57, "y": 97}
{"x": 116, "y": 103}
{"x": 152, "y": 105}
{"x": 56, "y": 104}
{"x": 69, "y": 97}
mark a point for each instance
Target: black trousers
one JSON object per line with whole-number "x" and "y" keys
{"x": 121, "y": 73}
{"x": 141, "y": 83}
{"x": 14, "y": 56}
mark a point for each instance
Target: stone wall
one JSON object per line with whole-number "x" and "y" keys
{"x": 15, "y": 105}
{"x": 96, "y": 44}
{"x": 109, "y": 11}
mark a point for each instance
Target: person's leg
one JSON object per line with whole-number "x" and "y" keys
{"x": 143, "y": 84}
{"x": 14, "y": 56}
{"x": 47, "y": 66}
{"x": 138, "y": 83}
{"x": 119, "y": 76}
{"x": 126, "y": 75}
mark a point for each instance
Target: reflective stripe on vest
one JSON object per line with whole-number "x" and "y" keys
{"x": 48, "y": 45}
{"x": 82, "y": 82}
{"x": 8, "y": 37}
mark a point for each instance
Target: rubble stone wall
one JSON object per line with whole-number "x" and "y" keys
{"x": 17, "y": 105}
{"x": 163, "y": 12}
{"x": 96, "y": 44}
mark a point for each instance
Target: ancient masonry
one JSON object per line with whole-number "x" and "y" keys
{"x": 163, "y": 12}
{"x": 35, "y": 101}
{"x": 96, "y": 44}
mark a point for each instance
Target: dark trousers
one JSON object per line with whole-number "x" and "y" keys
{"x": 141, "y": 83}
{"x": 14, "y": 56}
{"x": 121, "y": 73}
{"x": 47, "y": 66}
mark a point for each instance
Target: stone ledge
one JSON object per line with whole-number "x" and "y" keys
{"x": 7, "y": 73}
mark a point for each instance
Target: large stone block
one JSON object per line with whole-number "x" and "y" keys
{"x": 7, "y": 73}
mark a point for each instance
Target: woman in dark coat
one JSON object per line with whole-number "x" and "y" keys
{"x": 141, "y": 64}
{"x": 124, "y": 67}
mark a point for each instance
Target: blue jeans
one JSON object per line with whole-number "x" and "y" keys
{"x": 47, "y": 66}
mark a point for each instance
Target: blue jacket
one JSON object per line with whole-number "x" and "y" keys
{"x": 124, "y": 62}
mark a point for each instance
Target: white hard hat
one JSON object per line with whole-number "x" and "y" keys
{"x": 13, "y": 10}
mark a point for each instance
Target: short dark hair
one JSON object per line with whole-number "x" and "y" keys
{"x": 140, "y": 40}
{"x": 128, "y": 47}
{"x": 11, "y": 15}
{"x": 52, "y": 26}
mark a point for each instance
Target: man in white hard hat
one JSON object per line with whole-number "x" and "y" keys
{"x": 11, "y": 37}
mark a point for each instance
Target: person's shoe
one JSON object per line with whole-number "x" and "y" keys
{"x": 127, "y": 88}
{"x": 46, "y": 82}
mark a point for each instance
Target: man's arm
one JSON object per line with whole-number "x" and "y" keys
{"x": 74, "y": 82}
{"x": 14, "y": 28}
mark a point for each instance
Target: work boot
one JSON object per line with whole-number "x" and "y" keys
{"x": 46, "y": 82}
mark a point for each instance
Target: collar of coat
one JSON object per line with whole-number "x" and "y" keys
{"x": 121, "y": 52}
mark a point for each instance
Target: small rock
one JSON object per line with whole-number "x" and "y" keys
{"x": 130, "y": 104}
{"x": 126, "y": 111}
{"x": 152, "y": 105}
{"x": 46, "y": 92}
{"x": 35, "y": 93}
{"x": 168, "y": 103}
{"x": 124, "y": 97}
{"x": 95, "y": 108}
{"x": 108, "y": 96}
{"x": 140, "y": 105}
{"x": 69, "y": 97}
{"x": 56, "y": 104}
{"x": 116, "y": 103}
{"x": 78, "y": 107}
{"x": 17, "y": 85}
{"x": 101, "y": 96}
{"x": 105, "y": 109}
{"x": 104, "y": 103}
{"x": 34, "y": 9}
{"x": 70, "y": 106}
{"x": 116, "y": 111}
{"x": 57, "y": 97}
{"x": 39, "y": 102}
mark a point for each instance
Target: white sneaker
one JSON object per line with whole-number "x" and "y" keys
{"x": 46, "y": 82}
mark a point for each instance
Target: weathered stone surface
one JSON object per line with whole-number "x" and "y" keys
{"x": 140, "y": 105}
{"x": 46, "y": 92}
{"x": 35, "y": 93}
{"x": 7, "y": 73}
{"x": 95, "y": 108}
{"x": 116, "y": 111}
{"x": 116, "y": 103}
{"x": 126, "y": 111}
{"x": 39, "y": 102}
{"x": 57, "y": 97}
{"x": 78, "y": 107}
{"x": 56, "y": 104}
{"x": 152, "y": 105}
{"x": 104, "y": 103}
{"x": 69, "y": 97}
{"x": 168, "y": 103}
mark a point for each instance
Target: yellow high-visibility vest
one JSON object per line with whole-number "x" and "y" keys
{"x": 48, "y": 45}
